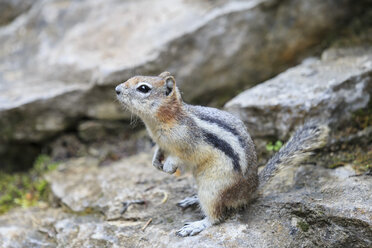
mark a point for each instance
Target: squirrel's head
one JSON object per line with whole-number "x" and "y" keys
{"x": 150, "y": 96}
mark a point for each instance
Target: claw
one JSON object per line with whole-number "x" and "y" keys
{"x": 188, "y": 202}
{"x": 193, "y": 228}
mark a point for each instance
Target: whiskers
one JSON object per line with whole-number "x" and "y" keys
{"x": 133, "y": 119}
{"x": 133, "y": 113}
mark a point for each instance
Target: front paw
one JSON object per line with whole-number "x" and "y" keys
{"x": 170, "y": 166}
{"x": 157, "y": 161}
{"x": 158, "y": 158}
{"x": 157, "y": 164}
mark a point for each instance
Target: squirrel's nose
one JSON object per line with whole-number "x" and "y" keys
{"x": 118, "y": 90}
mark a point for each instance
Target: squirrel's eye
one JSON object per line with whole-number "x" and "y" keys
{"x": 143, "y": 88}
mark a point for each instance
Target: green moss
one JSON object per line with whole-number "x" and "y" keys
{"x": 357, "y": 157}
{"x": 363, "y": 162}
{"x": 362, "y": 118}
{"x": 341, "y": 159}
{"x": 170, "y": 220}
{"x": 336, "y": 165}
{"x": 304, "y": 226}
{"x": 25, "y": 189}
{"x": 274, "y": 146}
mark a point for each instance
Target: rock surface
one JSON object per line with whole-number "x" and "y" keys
{"x": 59, "y": 57}
{"x": 306, "y": 206}
{"x": 10, "y": 9}
{"x": 326, "y": 90}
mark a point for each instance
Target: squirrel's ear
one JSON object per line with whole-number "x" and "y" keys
{"x": 164, "y": 74}
{"x": 170, "y": 84}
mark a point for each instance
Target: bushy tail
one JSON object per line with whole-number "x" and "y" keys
{"x": 300, "y": 146}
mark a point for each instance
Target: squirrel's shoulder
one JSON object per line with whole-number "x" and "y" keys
{"x": 205, "y": 113}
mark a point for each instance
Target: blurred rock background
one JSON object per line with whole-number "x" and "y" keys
{"x": 273, "y": 63}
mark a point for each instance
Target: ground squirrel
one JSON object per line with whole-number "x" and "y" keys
{"x": 213, "y": 143}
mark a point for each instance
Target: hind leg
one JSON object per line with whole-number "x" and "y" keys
{"x": 193, "y": 228}
{"x": 188, "y": 202}
{"x": 209, "y": 200}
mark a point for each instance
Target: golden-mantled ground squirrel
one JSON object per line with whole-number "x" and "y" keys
{"x": 214, "y": 144}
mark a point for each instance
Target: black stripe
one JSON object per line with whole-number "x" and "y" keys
{"x": 223, "y": 125}
{"x": 224, "y": 147}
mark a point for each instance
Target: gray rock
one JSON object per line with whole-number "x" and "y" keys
{"x": 104, "y": 190}
{"x": 306, "y": 206}
{"x": 29, "y": 228}
{"x": 10, "y": 9}
{"x": 60, "y": 60}
{"x": 325, "y": 90}
{"x": 100, "y": 130}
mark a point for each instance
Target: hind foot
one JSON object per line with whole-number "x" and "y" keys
{"x": 188, "y": 202}
{"x": 193, "y": 228}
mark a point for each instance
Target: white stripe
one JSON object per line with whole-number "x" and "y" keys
{"x": 227, "y": 136}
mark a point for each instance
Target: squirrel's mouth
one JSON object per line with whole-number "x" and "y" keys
{"x": 126, "y": 102}
{"x": 122, "y": 100}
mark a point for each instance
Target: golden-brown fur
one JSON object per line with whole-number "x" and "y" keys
{"x": 214, "y": 144}
{"x": 170, "y": 111}
{"x": 155, "y": 81}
